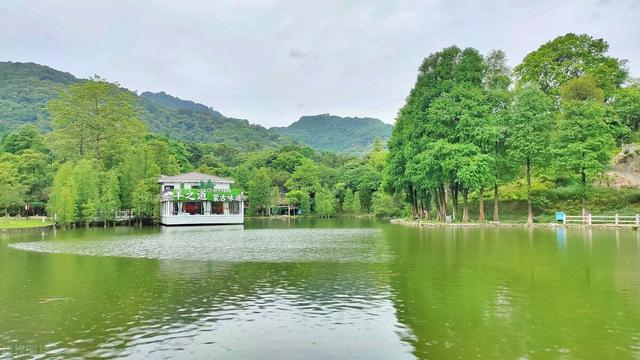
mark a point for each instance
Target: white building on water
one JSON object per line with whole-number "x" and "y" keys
{"x": 199, "y": 199}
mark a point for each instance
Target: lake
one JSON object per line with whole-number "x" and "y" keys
{"x": 313, "y": 288}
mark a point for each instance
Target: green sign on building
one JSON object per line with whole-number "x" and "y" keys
{"x": 208, "y": 194}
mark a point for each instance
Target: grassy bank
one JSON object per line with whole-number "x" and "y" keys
{"x": 9, "y": 223}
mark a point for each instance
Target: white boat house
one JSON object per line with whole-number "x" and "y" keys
{"x": 199, "y": 199}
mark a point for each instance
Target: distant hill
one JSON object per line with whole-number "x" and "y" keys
{"x": 337, "y": 134}
{"x": 25, "y": 89}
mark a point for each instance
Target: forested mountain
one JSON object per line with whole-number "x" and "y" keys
{"x": 25, "y": 89}
{"x": 338, "y": 134}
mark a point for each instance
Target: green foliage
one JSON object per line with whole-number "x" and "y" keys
{"x": 583, "y": 141}
{"x": 627, "y": 106}
{"x": 260, "y": 192}
{"x": 26, "y": 138}
{"x": 86, "y": 180}
{"x": 325, "y": 203}
{"x": 530, "y": 125}
{"x": 356, "y": 205}
{"x": 26, "y": 88}
{"x": 94, "y": 119}
{"x": 299, "y": 198}
{"x": 64, "y": 195}
{"x": 306, "y": 177}
{"x": 583, "y": 88}
{"x": 385, "y": 205}
{"x": 146, "y": 199}
{"x": 570, "y": 56}
{"x": 109, "y": 196}
{"x": 11, "y": 191}
{"x": 337, "y": 134}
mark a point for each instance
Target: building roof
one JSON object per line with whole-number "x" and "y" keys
{"x": 191, "y": 177}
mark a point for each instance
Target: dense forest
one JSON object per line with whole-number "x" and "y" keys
{"x": 100, "y": 158}
{"x": 471, "y": 125}
{"x": 337, "y": 134}
{"x": 473, "y": 136}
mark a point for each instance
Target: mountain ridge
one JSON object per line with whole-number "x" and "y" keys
{"x": 336, "y": 133}
{"x": 26, "y": 87}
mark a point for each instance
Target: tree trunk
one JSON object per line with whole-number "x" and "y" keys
{"x": 529, "y": 210}
{"x": 584, "y": 192}
{"x": 465, "y": 206}
{"x": 496, "y": 195}
{"x": 481, "y": 204}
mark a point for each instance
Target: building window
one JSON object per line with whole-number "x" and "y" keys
{"x": 168, "y": 188}
{"x": 217, "y": 208}
{"x": 234, "y": 208}
{"x": 193, "y": 208}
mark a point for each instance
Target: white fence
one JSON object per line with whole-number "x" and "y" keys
{"x": 589, "y": 219}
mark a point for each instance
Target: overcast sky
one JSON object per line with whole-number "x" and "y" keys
{"x": 273, "y": 61}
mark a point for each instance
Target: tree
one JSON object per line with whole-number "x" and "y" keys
{"x": 325, "y": 203}
{"x": 86, "y": 179}
{"x": 474, "y": 171}
{"x": 626, "y": 104}
{"x": 145, "y": 200}
{"x": 570, "y": 56}
{"x": 34, "y": 173}
{"x": 11, "y": 191}
{"x": 27, "y": 138}
{"x": 259, "y": 191}
{"x": 306, "y": 177}
{"x": 529, "y": 138}
{"x": 139, "y": 165}
{"x": 94, "y": 119}
{"x": 347, "y": 202}
{"x": 385, "y": 205}
{"x": 584, "y": 142}
{"x": 109, "y": 196}
{"x": 356, "y": 206}
{"x": 299, "y": 198}
{"x": 62, "y": 203}
{"x": 497, "y": 75}
{"x": 416, "y": 130}
{"x": 583, "y": 88}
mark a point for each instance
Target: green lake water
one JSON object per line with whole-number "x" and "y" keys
{"x": 345, "y": 288}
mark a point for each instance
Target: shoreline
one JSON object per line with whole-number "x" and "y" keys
{"x": 25, "y": 229}
{"x": 429, "y": 224}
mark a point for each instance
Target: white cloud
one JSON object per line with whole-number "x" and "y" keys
{"x": 273, "y": 61}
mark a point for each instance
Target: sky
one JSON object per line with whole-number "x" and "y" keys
{"x": 273, "y": 61}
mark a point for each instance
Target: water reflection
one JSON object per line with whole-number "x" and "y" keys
{"x": 511, "y": 294}
{"x": 350, "y": 288}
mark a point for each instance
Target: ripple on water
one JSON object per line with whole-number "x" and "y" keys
{"x": 233, "y": 245}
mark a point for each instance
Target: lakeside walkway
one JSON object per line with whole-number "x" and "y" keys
{"x": 433, "y": 224}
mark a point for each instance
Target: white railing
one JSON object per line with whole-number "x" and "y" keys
{"x": 589, "y": 219}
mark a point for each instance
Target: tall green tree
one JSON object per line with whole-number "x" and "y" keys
{"x": 146, "y": 200}
{"x": 63, "y": 199}
{"x": 325, "y": 203}
{"x": 27, "y": 137}
{"x": 584, "y": 143}
{"x": 109, "y": 196}
{"x": 570, "y": 56}
{"x": 85, "y": 176}
{"x": 497, "y": 80}
{"x": 299, "y": 198}
{"x": 627, "y": 106}
{"x": 11, "y": 190}
{"x": 260, "y": 192}
{"x": 95, "y": 119}
{"x": 531, "y": 124}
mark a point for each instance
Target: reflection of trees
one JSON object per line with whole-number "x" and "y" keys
{"x": 509, "y": 293}
{"x": 113, "y": 303}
